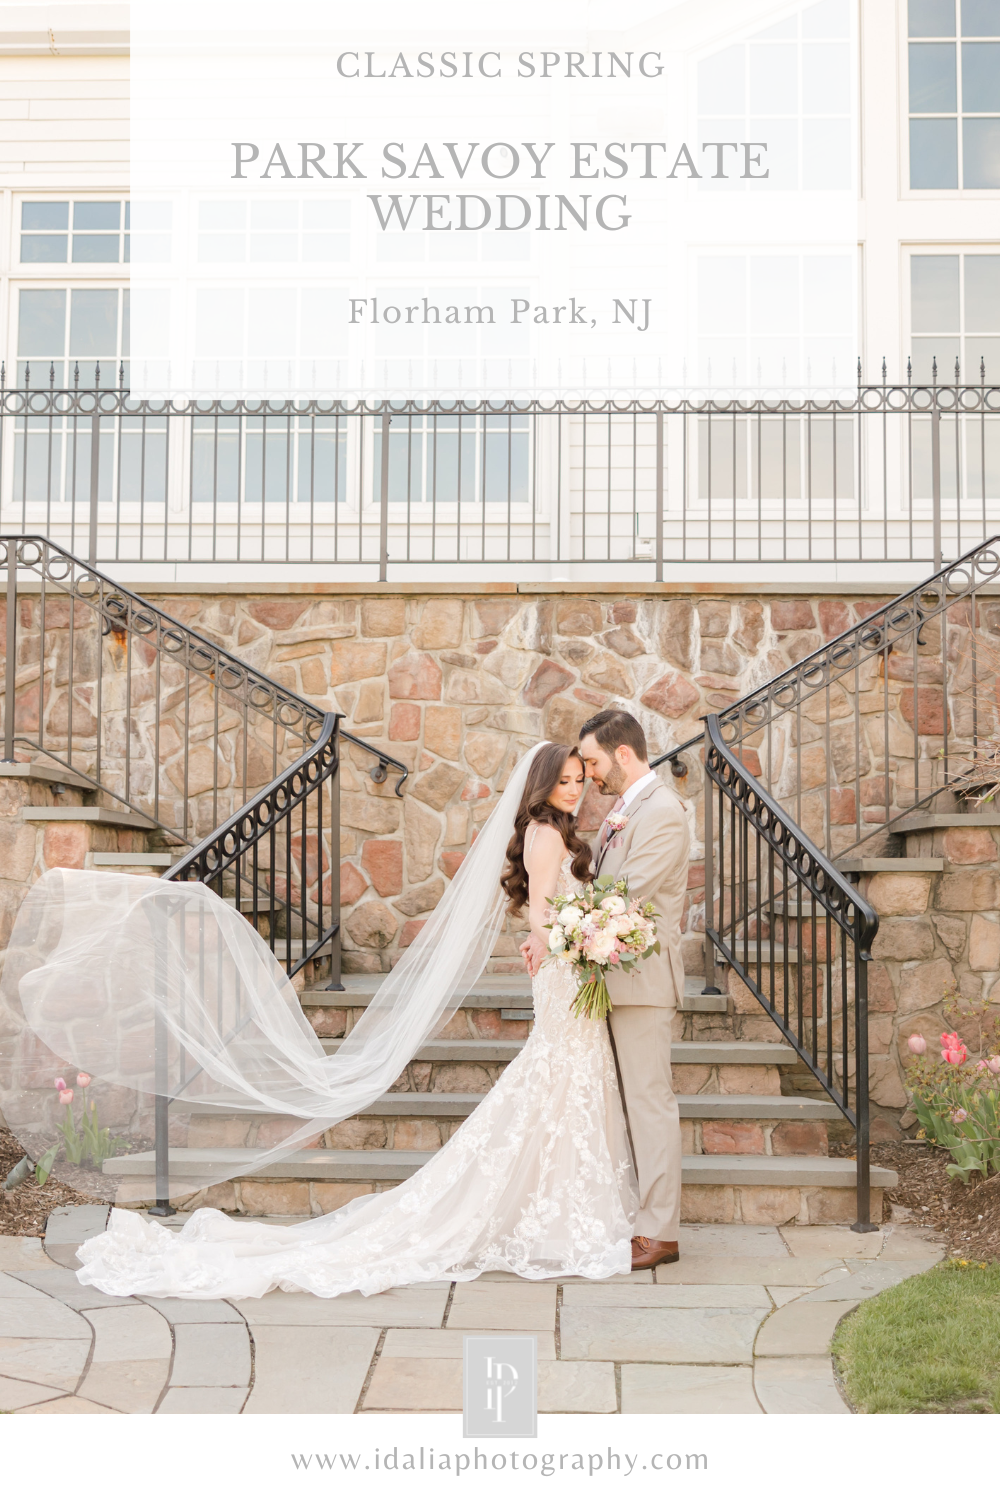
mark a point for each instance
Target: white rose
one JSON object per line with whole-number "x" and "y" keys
{"x": 570, "y": 917}
{"x": 557, "y": 939}
{"x": 613, "y": 904}
{"x": 623, "y": 926}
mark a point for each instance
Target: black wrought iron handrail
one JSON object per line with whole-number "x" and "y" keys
{"x": 147, "y": 643}
{"x": 775, "y": 888}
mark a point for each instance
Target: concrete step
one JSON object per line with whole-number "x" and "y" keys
{"x": 927, "y": 822}
{"x": 712, "y": 1054}
{"x": 857, "y": 864}
{"x": 154, "y": 859}
{"x": 102, "y": 816}
{"x": 504, "y": 991}
{"x": 323, "y": 1165}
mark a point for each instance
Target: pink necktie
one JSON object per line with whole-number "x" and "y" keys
{"x": 605, "y": 830}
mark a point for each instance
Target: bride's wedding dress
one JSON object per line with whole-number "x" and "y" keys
{"x": 537, "y": 1181}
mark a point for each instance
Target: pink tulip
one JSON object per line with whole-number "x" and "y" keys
{"x": 993, "y": 1063}
{"x": 953, "y": 1049}
{"x": 60, "y": 1083}
{"x": 958, "y": 1115}
{"x": 982, "y": 1066}
{"x": 83, "y": 1079}
{"x": 917, "y": 1044}
{"x": 66, "y": 1096}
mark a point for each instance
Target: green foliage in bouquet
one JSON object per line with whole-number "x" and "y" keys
{"x": 599, "y": 930}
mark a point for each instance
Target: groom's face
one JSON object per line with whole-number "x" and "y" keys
{"x": 606, "y": 771}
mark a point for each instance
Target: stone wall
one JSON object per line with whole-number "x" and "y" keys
{"x": 458, "y": 686}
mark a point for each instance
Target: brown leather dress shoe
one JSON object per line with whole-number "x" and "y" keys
{"x": 648, "y": 1253}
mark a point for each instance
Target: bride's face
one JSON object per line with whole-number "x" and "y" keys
{"x": 569, "y": 788}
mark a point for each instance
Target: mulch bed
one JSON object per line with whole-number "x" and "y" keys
{"x": 25, "y": 1210}
{"x": 967, "y": 1215}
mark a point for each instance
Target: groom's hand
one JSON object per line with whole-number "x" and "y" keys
{"x": 533, "y": 950}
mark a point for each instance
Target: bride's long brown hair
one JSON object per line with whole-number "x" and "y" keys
{"x": 543, "y": 777}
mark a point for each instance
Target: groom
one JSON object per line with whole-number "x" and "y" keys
{"x": 651, "y": 853}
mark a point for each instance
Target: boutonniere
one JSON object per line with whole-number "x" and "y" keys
{"x": 616, "y": 821}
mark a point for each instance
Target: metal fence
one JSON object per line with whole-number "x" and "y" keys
{"x": 897, "y": 473}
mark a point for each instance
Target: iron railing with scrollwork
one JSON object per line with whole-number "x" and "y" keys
{"x": 896, "y": 472}
{"x": 152, "y": 714}
{"x": 795, "y": 932}
{"x": 897, "y": 711}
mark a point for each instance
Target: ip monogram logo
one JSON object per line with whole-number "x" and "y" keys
{"x": 501, "y": 1386}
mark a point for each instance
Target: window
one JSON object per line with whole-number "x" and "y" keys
{"x": 954, "y": 93}
{"x": 451, "y": 459}
{"x": 955, "y": 315}
{"x": 68, "y": 333}
{"x": 269, "y": 460}
{"x": 85, "y": 233}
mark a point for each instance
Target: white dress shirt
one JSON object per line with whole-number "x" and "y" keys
{"x": 637, "y": 787}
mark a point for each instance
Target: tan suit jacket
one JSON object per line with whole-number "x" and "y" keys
{"x": 652, "y": 853}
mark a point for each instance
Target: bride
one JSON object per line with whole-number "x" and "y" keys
{"x": 538, "y": 1180}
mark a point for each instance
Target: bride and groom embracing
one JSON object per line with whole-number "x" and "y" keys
{"x": 571, "y": 1165}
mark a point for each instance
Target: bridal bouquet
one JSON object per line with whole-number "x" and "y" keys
{"x": 598, "y": 930}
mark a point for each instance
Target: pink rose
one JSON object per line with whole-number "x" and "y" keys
{"x": 66, "y": 1096}
{"x": 917, "y": 1044}
{"x": 83, "y": 1079}
{"x": 953, "y": 1049}
{"x": 60, "y": 1083}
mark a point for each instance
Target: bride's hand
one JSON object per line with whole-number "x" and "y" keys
{"x": 533, "y": 950}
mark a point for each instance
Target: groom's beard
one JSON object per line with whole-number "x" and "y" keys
{"x": 613, "y": 784}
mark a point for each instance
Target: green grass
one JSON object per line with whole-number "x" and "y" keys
{"x": 931, "y": 1344}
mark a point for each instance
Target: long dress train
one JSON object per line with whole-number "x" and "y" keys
{"x": 538, "y": 1181}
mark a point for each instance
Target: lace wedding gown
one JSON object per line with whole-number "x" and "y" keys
{"x": 538, "y": 1181}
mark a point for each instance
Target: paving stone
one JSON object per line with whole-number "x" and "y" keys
{"x": 393, "y": 1309}
{"x": 403, "y": 1384}
{"x": 306, "y": 1370}
{"x": 129, "y": 1333}
{"x": 780, "y": 1295}
{"x": 22, "y": 1253}
{"x": 131, "y": 1385}
{"x": 57, "y": 1281}
{"x": 833, "y": 1240}
{"x": 16, "y": 1394}
{"x": 58, "y": 1362}
{"x": 868, "y": 1282}
{"x": 69, "y": 1406}
{"x": 670, "y": 1389}
{"x": 750, "y": 1270}
{"x": 716, "y": 1295}
{"x": 11, "y": 1286}
{"x": 181, "y": 1310}
{"x": 211, "y": 1354}
{"x": 447, "y": 1343}
{"x": 801, "y": 1328}
{"x": 909, "y": 1242}
{"x": 798, "y": 1387}
{"x": 670, "y": 1335}
{"x": 220, "y": 1401}
{"x": 71, "y": 1226}
{"x": 566, "y": 1385}
{"x": 529, "y": 1305}
{"x": 729, "y": 1239}
{"x": 27, "y": 1317}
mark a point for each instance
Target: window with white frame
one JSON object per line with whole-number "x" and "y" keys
{"x": 65, "y": 333}
{"x": 83, "y": 232}
{"x": 953, "y": 51}
{"x": 955, "y": 317}
{"x": 453, "y": 459}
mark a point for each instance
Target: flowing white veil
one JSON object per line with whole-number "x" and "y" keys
{"x": 156, "y": 989}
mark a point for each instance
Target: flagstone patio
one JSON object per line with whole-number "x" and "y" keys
{"x": 742, "y": 1324}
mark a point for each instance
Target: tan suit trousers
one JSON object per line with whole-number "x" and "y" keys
{"x": 642, "y": 1036}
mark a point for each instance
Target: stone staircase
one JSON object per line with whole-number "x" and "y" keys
{"x": 756, "y": 1147}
